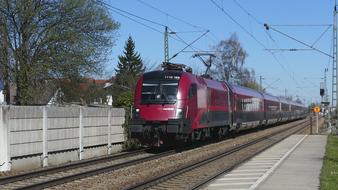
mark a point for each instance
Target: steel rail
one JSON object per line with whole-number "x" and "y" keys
{"x": 78, "y": 164}
{"x": 88, "y": 173}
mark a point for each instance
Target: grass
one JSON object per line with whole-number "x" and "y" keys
{"x": 329, "y": 174}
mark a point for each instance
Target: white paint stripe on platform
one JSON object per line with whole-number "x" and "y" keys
{"x": 249, "y": 170}
{"x": 259, "y": 163}
{"x": 237, "y": 189}
{"x": 237, "y": 178}
{"x": 225, "y": 184}
{"x": 266, "y": 158}
{"x": 256, "y": 167}
{"x": 262, "y": 178}
{"x": 243, "y": 174}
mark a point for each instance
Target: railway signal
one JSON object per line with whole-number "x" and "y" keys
{"x": 316, "y": 109}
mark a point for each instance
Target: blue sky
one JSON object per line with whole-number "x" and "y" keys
{"x": 299, "y": 72}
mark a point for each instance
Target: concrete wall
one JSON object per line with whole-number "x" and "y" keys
{"x": 39, "y": 135}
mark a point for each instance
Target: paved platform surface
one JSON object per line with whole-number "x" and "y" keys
{"x": 294, "y": 163}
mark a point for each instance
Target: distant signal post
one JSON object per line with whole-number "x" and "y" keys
{"x": 316, "y": 110}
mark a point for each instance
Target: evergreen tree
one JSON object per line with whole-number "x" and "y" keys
{"x": 130, "y": 66}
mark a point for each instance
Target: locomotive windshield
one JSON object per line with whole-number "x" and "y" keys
{"x": 159, "y": 91}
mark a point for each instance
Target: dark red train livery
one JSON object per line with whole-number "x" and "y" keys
{"x": 173, "y": 105}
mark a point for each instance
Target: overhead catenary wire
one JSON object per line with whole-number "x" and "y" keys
{"x": 260, "y": 23}
{"x": 301, "y": 25}
{"x": 179, "y": 19}
{"x": 247, "y": 12}
{"x": 167, "y": 14}
{"x": 286, "y": 25}
{"x": 236, "y": 22}
{"x": 129, "y": 13}
{"x": 126, "y": 13}
{"x": 294, "y": 25}
{"x": 253, "y": 37}
{"x": 145, "y": 25}
{"x": 268, "y": 27}
{"x": 321, "y": 35}
{"x": 189, "y": 45}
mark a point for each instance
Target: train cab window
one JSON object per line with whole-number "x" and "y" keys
{"x": 192, "y": 91}
{"x": 159, "y": 91}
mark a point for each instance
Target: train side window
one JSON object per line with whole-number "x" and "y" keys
{"x": 192, "y": 91}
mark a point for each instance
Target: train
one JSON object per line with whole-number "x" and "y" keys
{"x": 173, "y": 105}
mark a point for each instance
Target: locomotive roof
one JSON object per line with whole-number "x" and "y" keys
{"x": 160, "y": 74}
{"x": 245, "y": 91}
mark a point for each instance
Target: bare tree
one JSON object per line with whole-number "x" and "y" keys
{"x": 42, "y": 40}
{"x": 230, "y": 58}
{"x": 229, "y": 64}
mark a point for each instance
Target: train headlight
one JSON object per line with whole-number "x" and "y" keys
{"x": 136, "y": 113}
{"x": 179, "y": 113}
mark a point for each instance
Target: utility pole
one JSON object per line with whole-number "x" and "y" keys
{"x": 260, "y": 82}
{"x": 326, "y": 97}
{"x": 166, "y": 45}
{"x": 334, "y": 67}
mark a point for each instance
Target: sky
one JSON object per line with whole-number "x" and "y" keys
{"x": 296, "y": 73}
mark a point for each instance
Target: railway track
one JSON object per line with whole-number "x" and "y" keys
{"x": 58, "y": 175}
{"x": 195, "y": 175}
{"x": 68, "y": 173}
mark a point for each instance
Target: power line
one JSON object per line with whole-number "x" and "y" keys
{"x": 268, "y": 27}
{"x": 260, "y": 23}
{"x": 191, "y": 31}
{"x": 253, "y": 37}
{"x": 294, "y": 25}
{"x": 116, "y": 10}
{"x": 126, "y": 12}
{"x": 321, "y": 35}
{"x": 189, "y": 45}
{"x": 121, "y": 14}
{"x": 289, "y": 49}
{"x": 167, "y": 14}
{"x": 248, "y": 13}
{"x": 236, "y": 22}
{"x": 147, "y": 26}
{"x": 178, "y": 19}
{"x": 301, "y": 25}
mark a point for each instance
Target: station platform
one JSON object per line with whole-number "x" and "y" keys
{"x": 294, "y": 163}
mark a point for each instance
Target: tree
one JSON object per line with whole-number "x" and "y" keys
{"x": 228, "y": 65}
{"x": 130, "y": 66}
{"x": 43, "y": 40}
{"x": 230, "y": 57}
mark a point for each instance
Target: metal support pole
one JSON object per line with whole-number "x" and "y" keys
{"x": 311, "y": 125}
{"x": 44, "y": 137}
{"x": 5, "y": 158}
{"x": 109, "y": 131}
{"x": 81, "y": 134}
{"x": 335, "y": 58}
{"x": 317, "y": 123}
{"x": 166, "y": 45}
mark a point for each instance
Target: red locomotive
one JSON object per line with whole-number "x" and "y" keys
{"x": 173, "y": 105}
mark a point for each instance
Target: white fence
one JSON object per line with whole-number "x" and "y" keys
{"x": 28, "y": 131}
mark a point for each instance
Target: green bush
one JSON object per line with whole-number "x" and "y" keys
{"x": 125, "y": 100}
